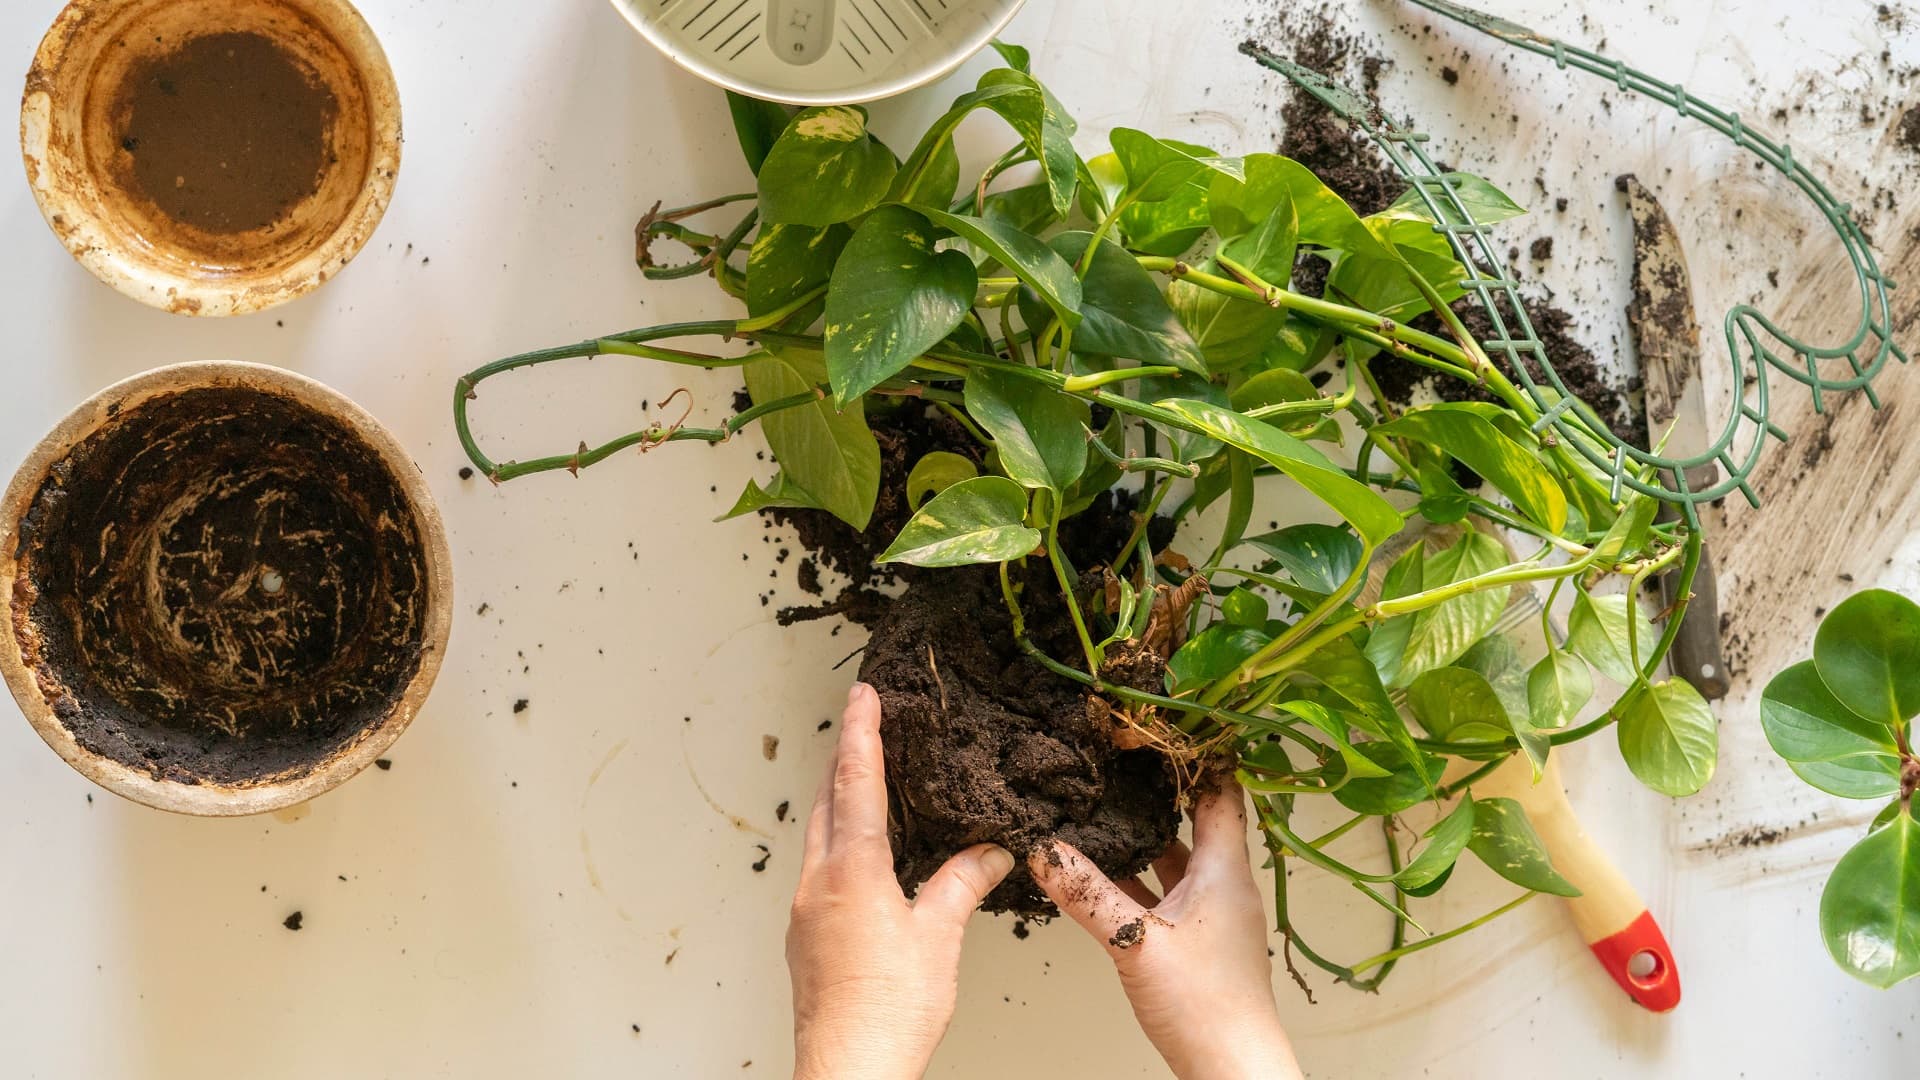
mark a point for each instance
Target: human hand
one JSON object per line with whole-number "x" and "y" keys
{"x": 875, "y": 976}
{"x": 1194, "y": 962}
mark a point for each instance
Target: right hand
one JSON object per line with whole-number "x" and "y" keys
{"x": 1194, "y": 963}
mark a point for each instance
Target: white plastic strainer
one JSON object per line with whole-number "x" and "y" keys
{"x": 819, "y": 52}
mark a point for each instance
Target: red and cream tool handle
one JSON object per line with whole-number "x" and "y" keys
{"x": 1609, "y": 914}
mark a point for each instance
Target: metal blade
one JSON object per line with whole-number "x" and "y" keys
{"x": 1665, "y": 332}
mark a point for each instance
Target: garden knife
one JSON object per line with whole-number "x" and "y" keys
{"x": 1667, "y": 337}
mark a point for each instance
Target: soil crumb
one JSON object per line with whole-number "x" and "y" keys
{"x": 226, "y": 133}
{"x": 294, "y": 921}
{"x": 1129, "y": 935}
{"x": 985, "y": 744}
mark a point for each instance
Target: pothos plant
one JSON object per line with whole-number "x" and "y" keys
{"x": 1844, "y": 723}
{"x": 1132, "y": 319}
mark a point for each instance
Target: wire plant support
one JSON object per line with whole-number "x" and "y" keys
{"x": 1755, "y": 343}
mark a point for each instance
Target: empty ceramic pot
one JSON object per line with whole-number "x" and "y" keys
{"x": 211, "y": 157}
{"x": 226, "y": 589}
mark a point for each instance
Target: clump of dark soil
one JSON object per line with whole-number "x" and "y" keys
{"x": 985, "y": 744}
{"x": 220, "y": 585}
{"x": 1349, "y": 163}
{"x": 1907, "y": 134}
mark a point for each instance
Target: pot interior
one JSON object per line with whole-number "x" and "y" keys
{"x": 221, "y": 585}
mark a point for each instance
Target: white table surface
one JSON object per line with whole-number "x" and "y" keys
{"x": 561, "y": 892}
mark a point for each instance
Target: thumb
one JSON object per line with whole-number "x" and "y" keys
{"x": 1077, "y": 886}
{"x": 952, "y": 893}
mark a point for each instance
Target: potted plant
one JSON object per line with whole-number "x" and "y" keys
{"x": 1106, "y": 348}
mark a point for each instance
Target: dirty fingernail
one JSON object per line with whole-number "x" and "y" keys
{"x": 997, "y": 861}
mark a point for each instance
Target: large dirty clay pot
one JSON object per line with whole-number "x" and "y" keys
{"x": 226, "y": 589}
{"x": 133, "y": 107}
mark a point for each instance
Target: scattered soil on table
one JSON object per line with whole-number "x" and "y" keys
{"x": 220, "y": 585}
{"x": 1907, "y": 134}
{"x": 1349, "y": 163}
{"x": 985, "y": 744}
{"x": 226, "y": 133}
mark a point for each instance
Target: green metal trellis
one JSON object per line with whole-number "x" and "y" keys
{"x": 1754, "y": 342}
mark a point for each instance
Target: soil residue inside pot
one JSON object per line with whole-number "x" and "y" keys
{"x": 221, "y": 585}
{"x": 225, "y": 133}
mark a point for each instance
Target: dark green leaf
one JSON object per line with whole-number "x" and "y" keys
{"x": 1341, "y": 678}
{"x": 757, "y": 124}
{"x": 931, "y": 184}
{"x": 1244, "y": 607}
{"x": 1211, "y": 653}
{"x": 1157, "y": 169}
{"x": 1668, "y": 736}
{"x": 1868, "y": 653}
{"x": 1186, "y": 445}
{"x": 1168, "y": 227}
{"x": 1823, "y": 741}
{"x": 1870, "y": 909}
{"x": 1557, "y": 689}
{"x": 1335, "y": 727}
{"x": 935, "y": 473}
{"x": 1028, "y": 209}
{"x": 1457, "y": 705}
{"x": 788, "y": 261}
{"x": 1372, "y": 516}
{"x": 1320, "y": 558}
{"x": 1123, "y": 312}
{"x": 1504, "y": 839}
{"x": 1598, "y": 628}
{"x": 1045, "y": 127}
{"x": 1031, "y": 260}
{"x": 892, "y": 298}
{"x": 1444, "y": 632}
{"x": 1497, "y": 659}
{"x": 1040, "y": 433}
{"x": 981, "y": 520}
{"x": 1277, "y": 386}
{"x": 827, "y": 452}
{"x": 1461, "y": 430}
{"x": 1445, "y": 841}
{"x": 1403, "y": 787}
{"x": 824, "y": 169}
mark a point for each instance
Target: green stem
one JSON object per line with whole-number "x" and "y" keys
{"x": 1427, "y": 943}
{"x": 1065, "y": 576}
{"x": 1080, "y": 383}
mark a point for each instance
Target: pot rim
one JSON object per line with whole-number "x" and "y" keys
{"x": 209, "y": 799}
{"x": 69, "y": 212}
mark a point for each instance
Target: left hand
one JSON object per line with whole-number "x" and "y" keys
{"x": 875, "y": 976}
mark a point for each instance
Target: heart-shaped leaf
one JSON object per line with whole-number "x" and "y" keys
{"x": 1335, "y": 726}
{"x": 824, "y": 169}
{"x": 1558, "y": 687}
{"x": 1504, "y": 839}
{"x": 757, "y": 124}
{"x": 788, "y": 261}
{"x": 1824, "y": 742}
{"x": 892, "y": 298}
{"x": 1868, "y": 653}
{"x": 1122, "y": 312}
{"x": 1444, "y": 632}
{"x": 827, "y": 452}
{"x": 937, "y": 471}
{"x": 1404, "y": 786}
{"x": 1668, "y": 736}
{"x": 1157, "y": 169}
{"x": 1870, "y": 909}
{"x": 1319, "y": 558}
{"x": 982, "y": 520}
{"x": 1039, "y": 433}
{"x": 1598, "y": 631}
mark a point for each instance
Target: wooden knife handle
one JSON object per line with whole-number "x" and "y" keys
{"x": 1697, "y": 655}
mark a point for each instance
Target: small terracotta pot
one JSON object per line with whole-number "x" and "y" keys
{"x": 75, "y": 116}
{"x": 225, "y": 589}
